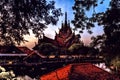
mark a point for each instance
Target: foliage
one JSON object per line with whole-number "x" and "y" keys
{"x": 116, "y": 62}
{"x": 74, "y": 48}
{"x": 111, "y": 39}
{"x": 47, "y": 49}
{"x": 18, "y": 16}
{"x": 81, "y": 19}
{"x": 7, "y": 75}
{"x": 83, "y": 50}
{"x": 110, "y": 20}
{"x": 98, "y": 41}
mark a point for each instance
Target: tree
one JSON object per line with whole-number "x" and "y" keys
{"x": 17, "y": 17}
{"x": 110, "y": 20}
{"x": 48, "y": 49}
{"x": 98, "y": 42}
{"x": 80, "y": 49}
{"x": 81, "y": 19}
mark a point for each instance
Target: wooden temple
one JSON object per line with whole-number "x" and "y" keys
{"x": 64, "y": 38}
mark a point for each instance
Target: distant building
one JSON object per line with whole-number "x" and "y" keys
{"x": 11, "y": 51}
{"x": 63, "y": 39}
{"x": 80, "y": 71}
{"x": 11, "y": 55}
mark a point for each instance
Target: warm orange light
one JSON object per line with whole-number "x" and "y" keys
{"x": 10, "y": 62}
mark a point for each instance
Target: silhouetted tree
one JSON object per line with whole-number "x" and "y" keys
{"x": 98, "y": 42}
{"x": 48, "y": 49}
{"x": 108, "y": 43}
{"x": 81, "y": 19}
{"x": 76, "y": 49}
{"x": 80, "y": 49}
{"x": 110, "y": 20}
{"x": 17, "y": 17}
{"x": 111, "y": 26}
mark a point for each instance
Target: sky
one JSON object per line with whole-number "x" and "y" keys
{"x": 66, "y": 6}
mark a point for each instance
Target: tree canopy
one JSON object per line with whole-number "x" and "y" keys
{"x": 81, "y": 19}
{"x": 48, "y": 49}
{"x": 17, "y": 17}
{"x": 81, "y": 49}
{"x": 109, "y": 42}
{"x": 109, "y": 19}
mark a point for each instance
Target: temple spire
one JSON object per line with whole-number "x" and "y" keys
{"x": 65, "y": 18}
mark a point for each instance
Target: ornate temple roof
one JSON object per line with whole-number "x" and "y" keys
{"x": 64, "y": 38}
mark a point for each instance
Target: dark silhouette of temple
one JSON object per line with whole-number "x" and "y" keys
{"x": 64, "y": 38}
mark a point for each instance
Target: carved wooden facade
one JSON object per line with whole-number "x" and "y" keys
{"x": 64, "y": 38}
